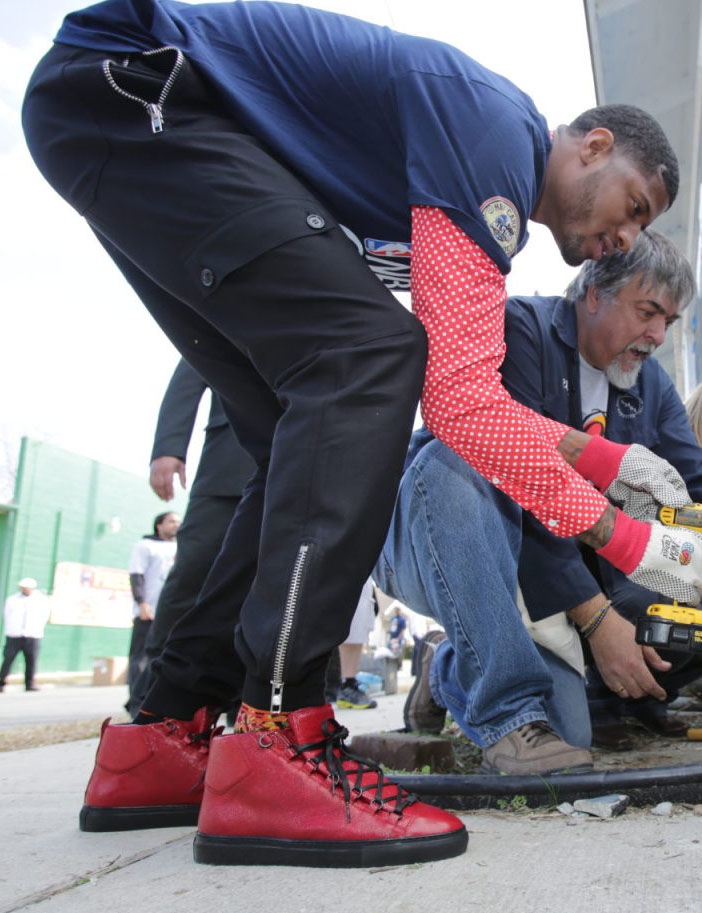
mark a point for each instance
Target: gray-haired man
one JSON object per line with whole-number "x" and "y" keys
{"x": 585, "y": 362}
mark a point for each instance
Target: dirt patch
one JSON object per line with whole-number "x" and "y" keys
{"x": 52, "y": 733}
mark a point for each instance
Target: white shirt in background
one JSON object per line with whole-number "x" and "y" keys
{"x": 26, "y": 616}
{"x": 153, "y": 558}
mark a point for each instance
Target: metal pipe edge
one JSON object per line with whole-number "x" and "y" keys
{"x": 645, "y": 786}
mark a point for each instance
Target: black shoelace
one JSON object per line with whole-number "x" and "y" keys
{"x": 334, "y": 752}
{"x": 536, "y": 732}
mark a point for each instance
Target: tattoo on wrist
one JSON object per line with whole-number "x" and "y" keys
{"x": 572, "y": 445}
{"x": 599, "y": 535}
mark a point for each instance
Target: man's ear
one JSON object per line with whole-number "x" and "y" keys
{"x": 596, "y": 144}
{"x": 592, "y": 299}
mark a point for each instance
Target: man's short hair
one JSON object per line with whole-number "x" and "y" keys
{"x": 159, "y": 520}
{"x": 652, "y": 259}
{"x": 638, "y": 136}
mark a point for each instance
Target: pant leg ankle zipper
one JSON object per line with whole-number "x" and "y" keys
{"x": 286, "y": 628}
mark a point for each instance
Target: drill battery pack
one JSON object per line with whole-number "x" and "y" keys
{"x": 674, "y": 627}
{"x": 671, "y": 627}
{"x": 688, "y": 517}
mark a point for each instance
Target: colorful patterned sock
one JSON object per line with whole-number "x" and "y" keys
{"x": 251, "y": 719}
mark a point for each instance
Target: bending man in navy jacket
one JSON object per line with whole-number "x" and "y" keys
{"x": 499, "y": 686}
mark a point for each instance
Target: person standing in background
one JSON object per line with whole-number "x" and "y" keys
{"x": 25, "y": 616}
{"x": 149, "y": 563}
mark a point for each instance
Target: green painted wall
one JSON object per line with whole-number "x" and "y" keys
{"x": 64, "y": 506}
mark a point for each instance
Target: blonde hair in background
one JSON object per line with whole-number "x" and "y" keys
{"x": 694, "y": 412}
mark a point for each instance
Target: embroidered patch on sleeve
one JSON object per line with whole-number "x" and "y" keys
{"x": 502, "y": 219}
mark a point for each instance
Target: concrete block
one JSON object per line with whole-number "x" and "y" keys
{"x": 405, "y": 751}
{"x": 602, "y": 806}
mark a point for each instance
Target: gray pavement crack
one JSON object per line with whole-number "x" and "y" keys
{"x": 121, "y": 862}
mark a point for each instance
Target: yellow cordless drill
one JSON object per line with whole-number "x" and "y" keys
{"x": 674, "y": 627}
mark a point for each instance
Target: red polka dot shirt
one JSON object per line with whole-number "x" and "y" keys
{"x": 459, "y": 295}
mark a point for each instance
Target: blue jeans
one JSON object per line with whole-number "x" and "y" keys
{"x": 451, "y": 553}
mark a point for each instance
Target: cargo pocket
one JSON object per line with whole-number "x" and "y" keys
{"x": 248, "y": 235}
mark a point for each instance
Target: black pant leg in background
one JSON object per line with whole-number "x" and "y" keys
{"x": 31, "y": 656}
{"x": 29, "y": 648}
{"x": 137, "y": 657}
{"x": 13, "y": 646}
{"x": 200, "y": 537}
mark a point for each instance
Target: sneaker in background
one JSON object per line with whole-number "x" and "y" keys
{"x": 351, "y": 696}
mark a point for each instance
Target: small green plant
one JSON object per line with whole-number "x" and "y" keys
{"x": 514, "y": 804}
{"x": 552, "y": 793}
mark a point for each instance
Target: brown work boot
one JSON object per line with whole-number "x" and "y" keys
{"x": 421, "y": 712}
{"x": 534, "y": 749}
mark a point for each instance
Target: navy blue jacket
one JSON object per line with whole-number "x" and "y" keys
{"x": 542, "y": 371}
{"x": 372, "y": 120}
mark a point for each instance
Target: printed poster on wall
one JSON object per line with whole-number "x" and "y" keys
{"x": 85, "y": 594}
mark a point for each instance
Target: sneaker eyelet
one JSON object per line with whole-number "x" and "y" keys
{"x": 265, "y": 741}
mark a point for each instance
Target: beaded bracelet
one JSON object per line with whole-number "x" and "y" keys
{"x": 596, "y": 620}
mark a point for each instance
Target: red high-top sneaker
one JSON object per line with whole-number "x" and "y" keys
{"x": 297, "y": 796}
{"x": 148, "y": 776}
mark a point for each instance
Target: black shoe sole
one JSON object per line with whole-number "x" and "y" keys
{"x": 427, "y": 728}
{"x": 212, "y": 850}
{"x": 95, "y": 818}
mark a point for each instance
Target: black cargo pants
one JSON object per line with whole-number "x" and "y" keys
{"x": 319, "y": 367}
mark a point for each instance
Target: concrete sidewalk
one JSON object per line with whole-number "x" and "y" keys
{"x": 539, "y": 861}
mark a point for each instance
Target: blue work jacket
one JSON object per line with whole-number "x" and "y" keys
{"x": 542, "y": 371}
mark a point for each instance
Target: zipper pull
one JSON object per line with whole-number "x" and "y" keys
{"x": 277, "y": 697}
{"x": 156, "y": 117}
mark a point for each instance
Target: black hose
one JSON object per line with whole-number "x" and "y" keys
{"x": 646, "y": 786}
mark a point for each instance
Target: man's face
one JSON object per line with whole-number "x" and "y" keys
{"x": 618, "y": 333}
{"x": 606, "y": 207}
{"x": 26, "y": 590}
{"x": 168, "y": 527}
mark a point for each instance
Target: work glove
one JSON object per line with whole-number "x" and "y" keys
{"x": 632, "y": 477}
{"x": 665, "y": 559}
{"x": 644, "y": 483}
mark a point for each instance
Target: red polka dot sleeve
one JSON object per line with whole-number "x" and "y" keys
{"x": 459, "y": 295}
